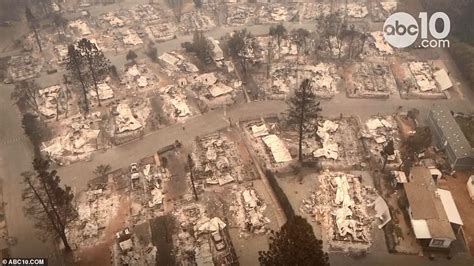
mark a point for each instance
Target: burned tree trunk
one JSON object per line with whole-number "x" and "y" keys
{"x": 75, "y": 64}
{"x": 303, "y": 111}
{"x": 49, "y": 204}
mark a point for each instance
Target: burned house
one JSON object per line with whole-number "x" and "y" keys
{"x": 432, "y": 211}
{"x": 450, "y": 138}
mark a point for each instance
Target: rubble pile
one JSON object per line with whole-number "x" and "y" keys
{"x": 75, "y": 143}
{"x": 248, "y": 211}
{"x": 355, "y": 10}
{"x": 161, "y": 32}
{"x": 147, "y": 191}
{"x": 138, "y": 77}
{"x": 130, "y": 37}
{"x": 378, "y": 131}
{"x": 389, "y": 6}
{"x": 254, "y": 207}
{"x": 23, "y": 67}
{"x": 186, "y": 218}
{"x": 131, "y": 251}
{"x": 105, "y": 91}
{"x": 323, "y": 76}
{"x": 113, "y": 19}
{"x": 418, "y": 79}
{"x": 268, "y": 144}
{"x": 175, "y": 104}
{"x": 337, "y": 49}
{"x": 48, "y": 99}
{"x": 287, "y": 48}
{"x": 275, "y": 13}
{"x": 335, "y": 143}
{"x": 193, "y": 243}
{"x": 372, "y": 80}
{"x": 339, "y": 204}
{"x": 120, "y": 31}
{"x": 61, "y": 53}
{"x": 382, "y": 10}
{"x": 215, "y": 89}
{"x": 80, "y": 28}
{"x": 378, "y": 42}
{"x": 314, "y": 11}
{"x": 329, "y": 148}
{"x": 196, "y": 20}
{"x": 238, "y": 15}
{"x": 131, "y": 25}
{"x": 132, "y": 113}
{"x": 423, "y": 74}
{"x": 277, "y": 148}
{"x": 96, "y": 209}
{"x": 150, "y": 14}
{"x": 125, "y": 119}
{"x": 282, "y": 79}
{"x": 174, "y": 62}
{"x": 217, "y": 161}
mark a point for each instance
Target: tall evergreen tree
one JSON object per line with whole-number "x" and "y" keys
{"x": 25, "y": 94}
{"x": 131, "y": 56}
{"x": 278, "y": 32}
{"x": 303, "y": 112}
{"x": 49, "y": 204}
{"x": 34, "y": 130}
{"x": 239, "y": 45}
{"x": 34, "y": 25}
{"x": 201, "y": 46}
{"x": 98, "y": 64}
{"x": 75, "y": 64}
{"x": 295, "y": 244}
{"x": 300, "y": 36}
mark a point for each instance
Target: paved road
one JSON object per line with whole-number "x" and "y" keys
{"x": 78, "y": 174}
{"x": 15, "y": 152}
{"x": 15, "y": 157}
{"x": 379, "y": 259}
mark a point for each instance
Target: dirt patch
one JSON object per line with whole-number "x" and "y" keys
{"x": 100, "y": 254}
{"x": 176, "y": 164}
{"x": 458, "y": 189}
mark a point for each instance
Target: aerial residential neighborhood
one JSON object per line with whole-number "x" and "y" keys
{"x": 225, "y": 132}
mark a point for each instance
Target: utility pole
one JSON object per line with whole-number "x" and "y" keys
{"x": 191, "y": 166}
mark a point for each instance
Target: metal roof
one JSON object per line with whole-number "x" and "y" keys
{"x": 451, "y": 131}
{"x": 449, "y": 206}
{"x": 425, "y": 204}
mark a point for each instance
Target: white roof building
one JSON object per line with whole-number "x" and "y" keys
{"x": 442, "y": 79}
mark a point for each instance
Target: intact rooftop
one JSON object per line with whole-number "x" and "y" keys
{"x": 428, "y": 216}
{"x": 452, "y": 131}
